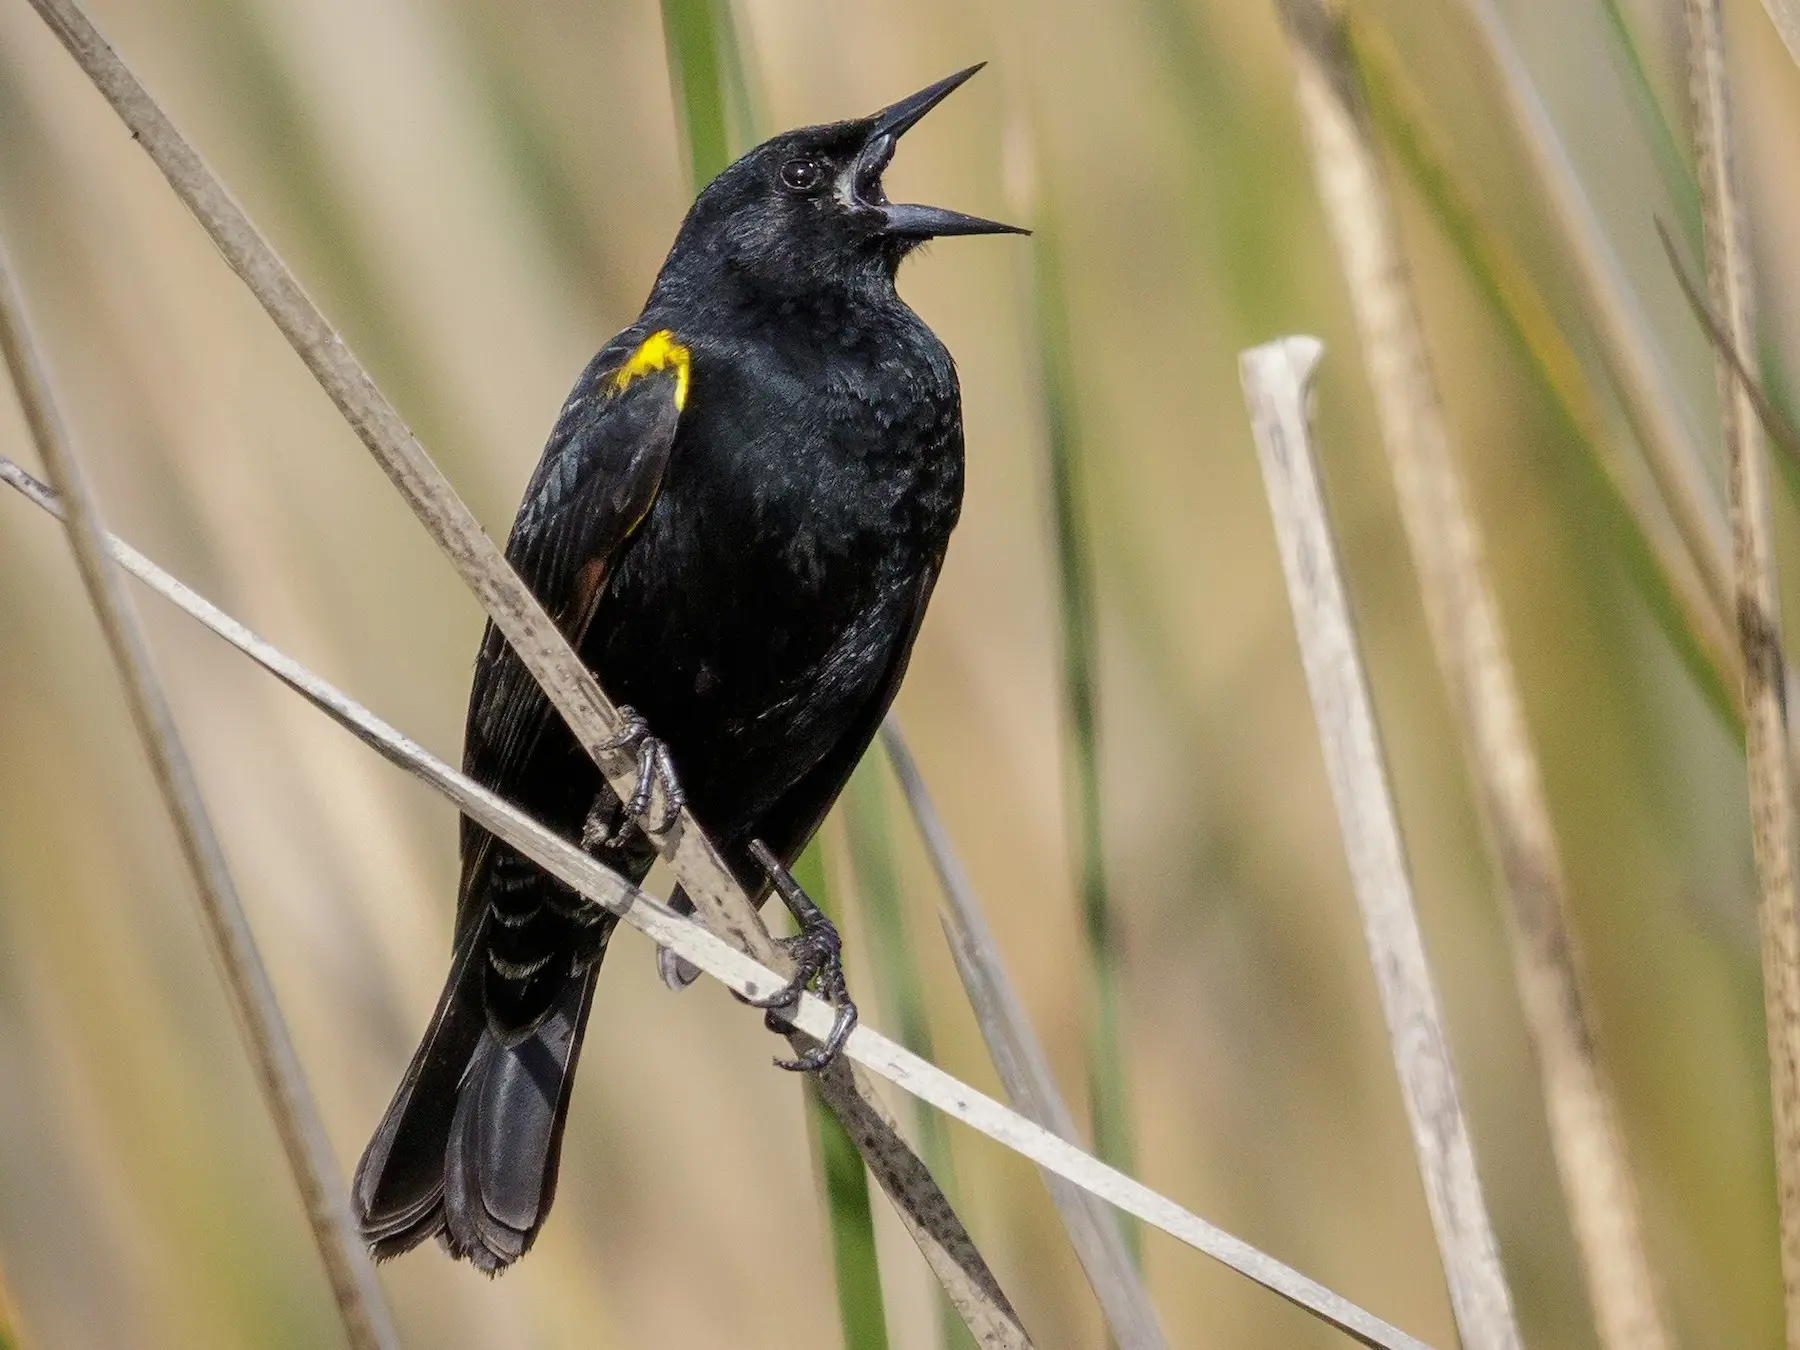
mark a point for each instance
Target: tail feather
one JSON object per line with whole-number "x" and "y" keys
{"x": 398, "y": 1190}
{"x": 506, "y": 1141}
{"x": 469, "y": 1148}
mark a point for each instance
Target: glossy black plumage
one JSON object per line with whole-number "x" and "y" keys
{"x": 738, "y": 519}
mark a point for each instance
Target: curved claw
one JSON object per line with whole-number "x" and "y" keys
{"x": 814, "y": 1060}
{"x": 783, "y": 997}
{"x": 818, "y": 955}
{"x": 656, "y": 767}
{"x": 675, "y": 971}
{"x": 659, "y": 764}
{"x": 632, "y": 730}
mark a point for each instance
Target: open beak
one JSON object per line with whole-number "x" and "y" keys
{"x": 886, "y": 128}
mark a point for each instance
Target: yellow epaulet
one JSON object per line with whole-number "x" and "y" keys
{"x": 659, "y": 351}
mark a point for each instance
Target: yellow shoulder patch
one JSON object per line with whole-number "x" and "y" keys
{"x": 659, "y": 351}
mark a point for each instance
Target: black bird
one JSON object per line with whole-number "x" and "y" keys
{"x": 738, "y": 521}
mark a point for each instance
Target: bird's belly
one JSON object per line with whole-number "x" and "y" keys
{"x": 754, "y": 671}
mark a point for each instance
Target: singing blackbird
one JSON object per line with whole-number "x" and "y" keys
{"x": 738, "y": 521}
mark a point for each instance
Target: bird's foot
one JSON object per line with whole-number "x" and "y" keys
{"x": 818, "y": 955}
{"x": 677, "y": 971}
{"x": 655, "y": 769}
{"x": 602, "y": 822}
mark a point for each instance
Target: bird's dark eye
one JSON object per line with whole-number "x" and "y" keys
{"x": 800, "y": 175}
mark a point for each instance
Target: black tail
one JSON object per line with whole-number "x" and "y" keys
{"x": 468, "y": 1150}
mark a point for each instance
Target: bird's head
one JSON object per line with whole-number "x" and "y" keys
{"x": 807, "y": 208}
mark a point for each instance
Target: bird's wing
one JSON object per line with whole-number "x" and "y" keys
{"x": 598, "y": 479}
{"x": 794, "y": 819}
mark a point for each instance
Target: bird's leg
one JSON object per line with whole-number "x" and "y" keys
{"x": 818, "y": 954}
{"x": 655, "y": 768}
{"x": 605, "y": 829}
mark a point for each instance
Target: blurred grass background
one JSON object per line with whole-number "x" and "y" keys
{"x": 479, "y": 194}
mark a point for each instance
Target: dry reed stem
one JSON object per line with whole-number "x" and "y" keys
{"x": 1399, "y": 113}
{"x": 1464, "y": 620}
{"x": 1759, "y": 619}
{"x": 1633, "y": 361}
{"x": 738, "y": 971}
{"x": 1024, "y": 1069}
{"x": 1785, "y": 15}
{"x": 922, "y": 1207}
{"x": 278, "y": 1072}
{"x": 1277, "y": 380}
{"x": 1628, "y": 348}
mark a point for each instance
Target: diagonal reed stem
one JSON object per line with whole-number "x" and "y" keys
{"x": 279, "y": 1074}
{"x": 742, "y": 973}
{"x": 1758, "y": 609}
{"x": 1681, "y": 600}
{"x": 862, "y": 1308}
{"x": 1634, "y": 363}
{"x": 706, "y": 69}
{"x": 571, "y": 688}
{"x": 1653, "y": 551}
{"x": 898, "y": 982}
{"x": 1277, "y": 381}
{"x": 1633, "y": 360}
{"x": 1023, "y": 1067}
{"x": 1464, "y": 620}
{"x": 1785, "y": 15}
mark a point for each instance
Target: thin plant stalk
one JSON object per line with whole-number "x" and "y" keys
{"x": 899, "y": 985}
{"x": 1682, "y": 603}
{"x": 1022, "y": 1065}
{"x": 1277, "y": 381}
{"x": 570, "y": 686}
{"x": 1728, "y": 274}
{"x": 1653, "y": 551}
{"x": 1634, "y": 361}
{"x": 845, "y": 1183}
{"x": 1109, "y": 1106}
{"x": 348, "y": 1270}
{"x": 705, "y": 67}
{"x": 692, "y": 38}
{"x": 1677, "y": 176}
{"x": 740, "y": 972}
{"x": 715, "y": 102}
{"x": 1463, "y": 617}
{"x": 1785, "y": 15}
{"x": 862, "y": 1310}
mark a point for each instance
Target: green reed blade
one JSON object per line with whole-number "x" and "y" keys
{"x": 695, "y": 37}
{"x": 1528, "y": 319}
{"x": 715, "y": 103}
{"x": 899, "y": 986}
{"x": 861, "y": 1307}
{"x": 1671, "y": 159}
{"x": 1678, "y": 177}
{"x": 1108, "y": 1097}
